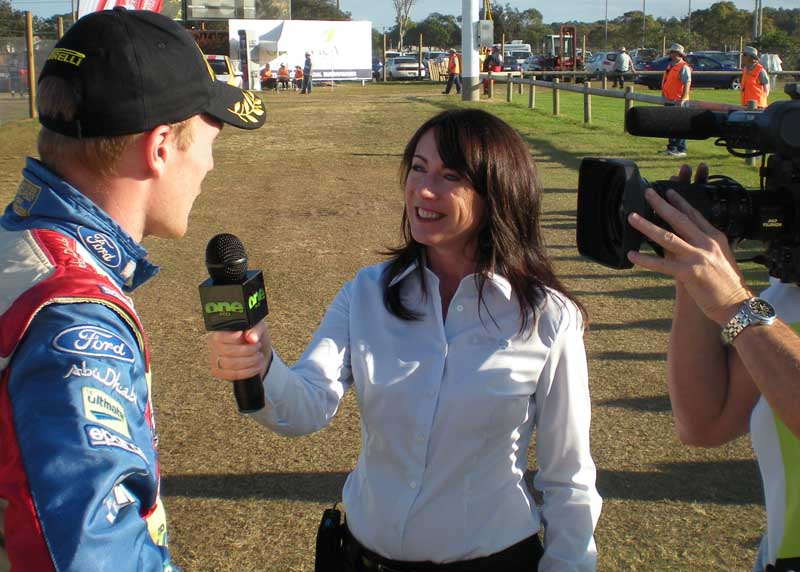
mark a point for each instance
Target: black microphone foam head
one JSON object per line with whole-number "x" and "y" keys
{"x": 226, "y": 259}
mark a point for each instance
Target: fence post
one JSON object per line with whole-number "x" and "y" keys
{"x": 519, "y": 85}
{"x": 750, "y": 161}
{"x": 31, "y": 65}
{"x": 628, "y": 102}
{"x": 532, "y": 93}
{"x": 509, "y": 88}
{"x": 587, "y": 102}
{"x": 490, "y": 86}
{"x": 556, "y": 102}
{"x": 60, "y": 27}
{"x": 605, "y": 80}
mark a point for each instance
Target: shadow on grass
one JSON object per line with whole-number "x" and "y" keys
{"x": 311, "y": 487}
{"x": 629, "y": 356}
{"x": 657, "y": 324}
{"x": 716, "y": 482}
{"x": 646, "y": 293}
{"x": 721, "y": 482}
{"x": 652, "y": 403}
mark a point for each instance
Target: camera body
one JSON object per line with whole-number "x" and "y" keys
{"x": 610, "y": 189}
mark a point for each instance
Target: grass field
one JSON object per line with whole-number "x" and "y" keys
{"x": 314, "y": 196}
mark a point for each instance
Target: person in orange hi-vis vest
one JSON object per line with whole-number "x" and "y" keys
{"x": 755, "y": 81}
{"x": 454, "y": 72}
{"x": 675, "y": 86}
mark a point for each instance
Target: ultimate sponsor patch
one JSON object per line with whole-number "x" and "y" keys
{"x": 105, "y": 410}
{"x": 26, "y": 196}
{"x": 102, "y": 437}
{"x": 93, "y": 341}
{"x": 101, "y": 244}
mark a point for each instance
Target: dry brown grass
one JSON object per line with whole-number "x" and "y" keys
{"x": 314, "y": 196}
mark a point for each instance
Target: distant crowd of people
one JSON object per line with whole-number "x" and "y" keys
{"x": 298, "y": 79}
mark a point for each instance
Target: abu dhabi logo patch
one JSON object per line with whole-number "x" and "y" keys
{"x": 93, "y": 341}
{"x": 27, "y": 193}
{"x": 101, "y": 245}
{"x": 102, "y": 409}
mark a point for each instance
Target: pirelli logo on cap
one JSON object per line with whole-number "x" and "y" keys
{"x": 67, "y": 56}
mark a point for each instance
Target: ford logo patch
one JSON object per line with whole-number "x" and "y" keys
{"x": 101, "y": 245}
{"x": 93, "y": 341}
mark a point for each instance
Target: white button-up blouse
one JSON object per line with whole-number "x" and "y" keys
{"x": 448, "y": 405}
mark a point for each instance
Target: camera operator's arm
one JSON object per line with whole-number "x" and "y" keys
{"x": 714, "y": 390}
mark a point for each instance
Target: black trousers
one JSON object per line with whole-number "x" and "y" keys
{"x": 521, "y": 557}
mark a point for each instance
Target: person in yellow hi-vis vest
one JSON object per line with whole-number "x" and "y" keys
{"x": 755, "y": 81}
{"x": 453, "y": 72}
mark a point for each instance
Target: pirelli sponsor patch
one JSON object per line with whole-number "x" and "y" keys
{"x": 67, "y": 56}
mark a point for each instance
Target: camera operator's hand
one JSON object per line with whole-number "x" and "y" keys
{"x": 696, "y": 254}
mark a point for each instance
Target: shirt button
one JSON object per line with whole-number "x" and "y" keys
{"x": 413, "y": 484}
{"x": 420, "y": 438}
{"x": 460, "y": 308}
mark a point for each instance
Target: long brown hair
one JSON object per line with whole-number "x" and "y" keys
{"x": 495, "y": 160}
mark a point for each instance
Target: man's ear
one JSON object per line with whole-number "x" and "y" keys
{"x": 158, "y": 146}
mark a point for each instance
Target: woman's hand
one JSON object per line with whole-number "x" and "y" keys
{"x": 240, "y": 354}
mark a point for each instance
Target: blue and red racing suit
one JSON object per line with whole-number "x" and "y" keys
{"x": 78, "y": 463}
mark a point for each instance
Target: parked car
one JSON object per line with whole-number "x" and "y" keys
{"x": 510, "y": 64}
{"x": 519, "y": 55}
{"x": 699, "y": 64}
{"x": 532, "y": 63}
{"x": 730, "y": 58}
{"x": 377, "y": 69}
{"x": 601, "y": 63}
{"x": 223, "y": 69}
{"x": 435, "y": 56}
{"x": 642, "y": 56}
{"x": 404, "y": 68}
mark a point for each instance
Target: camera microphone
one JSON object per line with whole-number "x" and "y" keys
{"x": 672, "y": 122}
{"x": 233, "y": 298}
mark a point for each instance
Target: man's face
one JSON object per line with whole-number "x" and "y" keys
{"x": 168, "y": 211}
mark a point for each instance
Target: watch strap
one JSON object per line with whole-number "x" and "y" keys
{"x": 754, "y": 311}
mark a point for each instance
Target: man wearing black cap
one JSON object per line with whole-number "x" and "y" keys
{"x": 129, "y": 111}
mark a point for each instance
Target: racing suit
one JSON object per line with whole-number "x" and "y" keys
{"x": 78, "y": 462}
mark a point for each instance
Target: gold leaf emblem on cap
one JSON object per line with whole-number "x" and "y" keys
{"x": 249, "y": 109}
{"x": 67, "y": 56}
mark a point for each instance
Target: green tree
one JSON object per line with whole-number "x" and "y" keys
{"x": 317, "y": 10}
{"x": 438, "y": 30}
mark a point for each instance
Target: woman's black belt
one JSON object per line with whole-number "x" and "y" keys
{"x": 521, "y": 557}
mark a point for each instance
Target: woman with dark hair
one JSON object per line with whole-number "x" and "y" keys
{"x": 458, "y": 347}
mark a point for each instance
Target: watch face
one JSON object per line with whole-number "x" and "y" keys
{"x": 761, "y": 308}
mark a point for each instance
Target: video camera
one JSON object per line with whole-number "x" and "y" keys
{"x": 610, "y": 189}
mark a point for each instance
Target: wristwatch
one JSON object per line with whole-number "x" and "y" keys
{"x": 754, "y": 311}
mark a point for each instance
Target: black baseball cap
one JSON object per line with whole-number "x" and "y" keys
{"x": 132, "y": 70}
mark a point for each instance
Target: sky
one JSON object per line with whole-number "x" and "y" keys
{"x": 381, "y": 12}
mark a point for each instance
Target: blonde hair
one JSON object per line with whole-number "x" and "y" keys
{"x": 100, "y": 155}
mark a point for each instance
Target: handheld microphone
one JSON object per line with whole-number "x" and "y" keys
{"x": 675, "y": 122}
{"x": 234, "y": 298}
